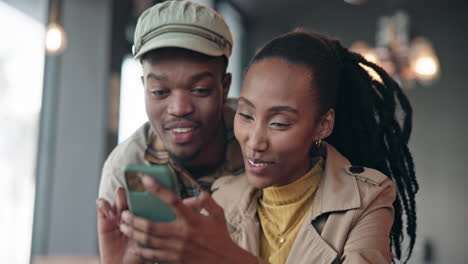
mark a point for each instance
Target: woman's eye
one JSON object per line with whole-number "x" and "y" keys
{"x": 280, "y": 125}
{"x": 201, "y": 91}
{"x": 246, "y": 116}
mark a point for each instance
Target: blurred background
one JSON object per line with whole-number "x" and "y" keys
{"x": 70, "y": 91}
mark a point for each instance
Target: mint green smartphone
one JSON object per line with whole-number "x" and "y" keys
{"x": 142, "y": 202}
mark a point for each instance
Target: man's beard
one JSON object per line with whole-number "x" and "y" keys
{"x": 182, "y": 160}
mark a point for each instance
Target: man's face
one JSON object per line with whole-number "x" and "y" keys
{"x": 184, "y": 99}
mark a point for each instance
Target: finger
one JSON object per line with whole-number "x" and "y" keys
{"x": 193, "y": 202}
{"x": 104, "y": 209}
{"x": 159, "y": 255}
{"x": 150, "y": 240}
{"x": 205, "y": 201}
{"x": 167, "y": 196}
{"x": 107, "y": 217}
{"x": 160, "y": 229}
{"x": 120, "y": 200}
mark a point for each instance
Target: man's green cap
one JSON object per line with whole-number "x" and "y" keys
{"x": 182, "y": 24}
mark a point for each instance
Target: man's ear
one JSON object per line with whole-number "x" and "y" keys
{"x": 226, "y": 83}
{"x": 327, "y": 123}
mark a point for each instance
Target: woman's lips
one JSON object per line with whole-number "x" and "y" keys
{"x": 256, "y": 166}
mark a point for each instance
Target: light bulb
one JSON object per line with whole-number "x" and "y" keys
{"x": 56, "y": 39}
{"x": 423, "y": 60}
{"x": 426, "y": 66}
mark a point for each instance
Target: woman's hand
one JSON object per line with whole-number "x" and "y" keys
{"x": 191, "y": 238}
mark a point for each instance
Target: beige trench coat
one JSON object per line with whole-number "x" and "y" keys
{"x": 350, "y": 221}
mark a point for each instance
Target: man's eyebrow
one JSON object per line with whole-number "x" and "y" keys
{"x": 202, "y": 75}
{"x": 194, "y": 77}
{"x": 242, "y": 99}
{"x": 156, "y": 77}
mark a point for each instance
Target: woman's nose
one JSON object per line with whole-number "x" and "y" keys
{"x": 258, "y": 140}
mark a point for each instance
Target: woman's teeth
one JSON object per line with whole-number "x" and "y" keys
{"x": 181, "y": 130}
{"x": 257, "y": 164}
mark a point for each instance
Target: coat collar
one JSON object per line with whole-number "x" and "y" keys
{"x": 338, "y": 191}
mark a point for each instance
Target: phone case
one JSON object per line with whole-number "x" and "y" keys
{"x": 142, "y": 202}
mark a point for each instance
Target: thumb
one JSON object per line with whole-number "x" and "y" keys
{"x": 205, "y": 201}
{"x": 193, "y": 202}
{"x": 120, "y": 200}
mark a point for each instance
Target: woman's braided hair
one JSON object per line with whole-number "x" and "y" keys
{"x": 372, "y": 115}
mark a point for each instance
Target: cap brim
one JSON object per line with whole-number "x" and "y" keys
{"x": 182, "y": 40}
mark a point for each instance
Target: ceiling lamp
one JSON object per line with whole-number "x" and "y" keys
{"x": 408, "y": 61}
{"x": 56, "y": 37}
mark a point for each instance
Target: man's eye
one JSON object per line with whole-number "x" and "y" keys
{"x": 245, "y": 116}
{"x": 201, "y": 91}
{"x": 159, "y": 93}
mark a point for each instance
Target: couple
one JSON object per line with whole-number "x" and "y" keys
{"x": 300, "y": 199}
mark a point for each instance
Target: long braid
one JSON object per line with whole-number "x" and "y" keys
{"x": 399, "y": 165}
{"x": 367, "y": 129}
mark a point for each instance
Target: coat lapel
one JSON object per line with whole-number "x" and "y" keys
{"x": 309, "y": 247}
{"x": 337, "y": 192}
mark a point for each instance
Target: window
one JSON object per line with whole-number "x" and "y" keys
{"x": 21, "y": 78}
{"x": 132, "y": 99}
{"x": 234, "y": 20}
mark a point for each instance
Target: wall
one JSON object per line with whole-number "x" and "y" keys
{"x": 72, "y": 141}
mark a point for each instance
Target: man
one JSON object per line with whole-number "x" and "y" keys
{"x": 184, "y": 49}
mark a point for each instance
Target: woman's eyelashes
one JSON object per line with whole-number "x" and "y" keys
{"x": 273, "y": 124}
{"x": 246, "y": 116}
{"x": 280, "y": 125}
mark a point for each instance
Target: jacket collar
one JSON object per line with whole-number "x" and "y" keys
{"x": 338, "y": 191}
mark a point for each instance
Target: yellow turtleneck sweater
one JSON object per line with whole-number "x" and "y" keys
{"x": 282, "y": 211}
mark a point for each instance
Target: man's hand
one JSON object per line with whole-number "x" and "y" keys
{"x": 113, "y": 244}
{"x": 191, "y": 238}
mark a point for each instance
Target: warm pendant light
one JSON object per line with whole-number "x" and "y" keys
{"x": 407, "y": 61}
{"x": 423, "y": 61}
{"x": 56, "y": 37}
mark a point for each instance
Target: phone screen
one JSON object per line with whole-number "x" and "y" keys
{"x": 134, "y": 182}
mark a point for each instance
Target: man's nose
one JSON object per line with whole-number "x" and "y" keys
{"x": 180, "y": 104}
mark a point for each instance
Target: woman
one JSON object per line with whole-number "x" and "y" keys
{"x": 302, "y": 200}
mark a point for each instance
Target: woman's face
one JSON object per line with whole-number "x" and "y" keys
{"x": 277, "y": 122}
